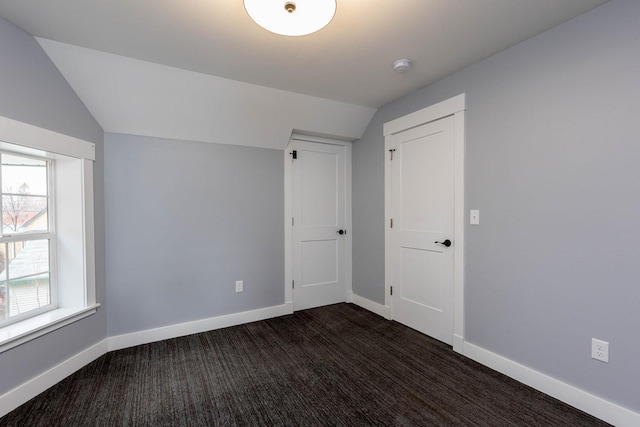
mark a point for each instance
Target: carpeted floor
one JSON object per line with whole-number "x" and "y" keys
{"x": 338, "y": 365}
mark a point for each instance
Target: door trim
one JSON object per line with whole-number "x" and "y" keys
{"x": 288, "y": 214}
{"x": 451, "y": 107}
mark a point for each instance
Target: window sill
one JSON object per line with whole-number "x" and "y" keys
{"x": 34, "y": 327}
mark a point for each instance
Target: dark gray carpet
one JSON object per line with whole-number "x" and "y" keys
{"x": 337, "y": 366}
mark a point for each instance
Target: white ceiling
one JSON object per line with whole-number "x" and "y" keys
{"x": 202, "y": 70}
{"x": 348, "y": 61}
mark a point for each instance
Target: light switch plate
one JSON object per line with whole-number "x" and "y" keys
{"x": 474, "y": 217}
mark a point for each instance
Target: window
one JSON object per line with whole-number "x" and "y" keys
{"x": 47, "y": 260}
{"x": 27, "y": 275}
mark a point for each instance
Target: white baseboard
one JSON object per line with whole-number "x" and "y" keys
{"x": 167, "y": 332}
{"x": 288, "y": 307}
{"x": 458, "y": 344}
{"x": 30, "y": 389}
{"x": 587, "y": 402}
{"x": 372, "y": 306}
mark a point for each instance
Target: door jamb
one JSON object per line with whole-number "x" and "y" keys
{"x": 451, "y": 107}
{"x": 288, "y": 214}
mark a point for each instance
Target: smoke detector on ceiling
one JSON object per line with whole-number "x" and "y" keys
{"x": 401, "y": 65}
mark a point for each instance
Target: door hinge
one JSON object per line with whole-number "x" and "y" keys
{"x": 294, "y": 154}
{"x": 391, "y": 290}
{"x": 293, "y": 284}
{"x": 392, "y": 151}
{"x": 391, "y": 222}
{"x": 292, "y": 222}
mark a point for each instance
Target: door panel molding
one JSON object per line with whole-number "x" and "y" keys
{"x": 451, "y": 107}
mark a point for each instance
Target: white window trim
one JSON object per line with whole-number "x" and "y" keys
{"x": 24, "y": 138}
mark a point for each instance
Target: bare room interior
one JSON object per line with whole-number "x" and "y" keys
{"x": 304, "y": 212}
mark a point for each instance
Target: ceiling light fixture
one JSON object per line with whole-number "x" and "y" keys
{"x": 401, "y": 65}
{"x": 291, "y": 17}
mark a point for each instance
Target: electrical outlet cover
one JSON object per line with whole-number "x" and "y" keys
{"x": 600, "y": 350}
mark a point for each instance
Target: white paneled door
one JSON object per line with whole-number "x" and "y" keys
{"x": 319, "y": 224}
{"x": 422, "y": 208}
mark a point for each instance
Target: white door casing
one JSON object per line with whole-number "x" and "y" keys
{"x": 319, "y": 204}
{"x": 423, "y": 260}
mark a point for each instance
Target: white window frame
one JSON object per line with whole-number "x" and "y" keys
{"x": 48, "y": 235}
{"x": 74, "y": 218}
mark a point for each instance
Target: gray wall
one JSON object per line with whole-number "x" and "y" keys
{"x": 553, "y": 150}
{"x": 32, "y": 90}
{"x": 185, "y": 220}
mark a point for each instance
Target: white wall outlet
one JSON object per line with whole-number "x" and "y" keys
{"x": 239, "y": 286}
{"x": 600, "y": 350}
{"x": 474, "y": 217}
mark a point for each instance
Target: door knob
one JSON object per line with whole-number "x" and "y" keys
{"x": 447, "y": 243}
{"x": 341, "y": 232}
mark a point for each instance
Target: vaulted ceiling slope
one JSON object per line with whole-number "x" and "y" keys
{"x": 136, "y": 97}
{"x": 203, "y": 70}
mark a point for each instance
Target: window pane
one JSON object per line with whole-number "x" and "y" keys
{"x": 22, "y": 175}
{"x": 27, "y": 294}
{"x": 3, "y": 283}
{"x": 22, "y": 213}
{"x": 27, "y": 287}
{"x": 3, "y": 301}
{"x": 24, "y": 194}
{"x": 26, "y": 258}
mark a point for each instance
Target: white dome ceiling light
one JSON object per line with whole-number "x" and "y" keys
{"x": 291, "y": 17}
{"x": 401, "y": 65}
